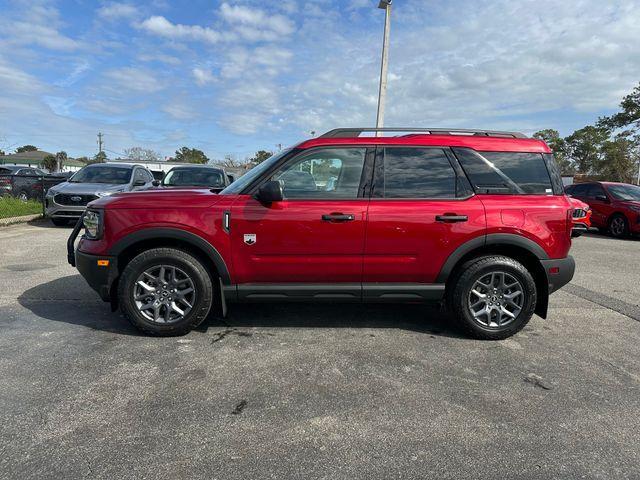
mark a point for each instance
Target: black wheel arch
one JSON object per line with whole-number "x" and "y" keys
{"x": 131, "y": 245}
{"x": 522, "y": 249}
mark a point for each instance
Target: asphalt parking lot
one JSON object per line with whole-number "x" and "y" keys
{"x": 315, "y": 391}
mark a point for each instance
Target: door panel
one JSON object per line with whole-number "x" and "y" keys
{"x": 405, "y": 242}
{"x": 314, "y": 235}
{"x": 294, "y": 244}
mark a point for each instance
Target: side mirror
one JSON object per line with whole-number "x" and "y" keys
{"x": 156, "y": 183}
{"x": 139, "y": 183}
{"x": 270, "y": 192}
{"x": 602, "y": 198}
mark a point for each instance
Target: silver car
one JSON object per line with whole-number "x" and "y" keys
{"x": 66, "y": 201}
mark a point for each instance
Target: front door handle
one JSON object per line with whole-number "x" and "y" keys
{"x": 451, "y": 218}
{"x": 338, "y": 217}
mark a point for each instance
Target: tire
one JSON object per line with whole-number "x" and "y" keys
{"x": 496, "y": 324}
{"x": 183, "y": 265}
{"x": 59, "y": 222}
{"x": 23, "y": 196}
{"x": 618, "y": 226}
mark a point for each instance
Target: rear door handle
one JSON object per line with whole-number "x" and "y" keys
{"x": 338, "y": 217}
{"x": 451, "y": 218}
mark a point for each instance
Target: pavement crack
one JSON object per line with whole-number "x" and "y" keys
{"x": 619, "y": 306}
{"x": 537, "y": 381}
{"x": 239, "y": 407}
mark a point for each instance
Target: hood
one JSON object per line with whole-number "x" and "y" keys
{"x": 159, "y": 198}
{"x": 87, "y": 188}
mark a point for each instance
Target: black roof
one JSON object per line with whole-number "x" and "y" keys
{"x": 13, "y": 168}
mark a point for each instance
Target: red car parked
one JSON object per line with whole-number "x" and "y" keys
{"x": 476, "y": 219}
{"x": 615, "y": 206}
{"x": 581, "y": 217}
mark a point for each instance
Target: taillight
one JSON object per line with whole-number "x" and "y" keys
{"x": 5, "y": 181}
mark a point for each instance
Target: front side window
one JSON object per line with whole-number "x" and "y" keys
{"x": 506, "y": 172}
{"x": 630, "y": 193}
{"x": 418, "y": 173}
{"x": 596, "y": 190}
{"x": 325, "y": 173}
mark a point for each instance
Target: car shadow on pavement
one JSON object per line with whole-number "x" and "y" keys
{"x": 597, "y": 234}
{"x": 70, "y": 300}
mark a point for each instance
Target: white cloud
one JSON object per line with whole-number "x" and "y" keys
{"x": 14, "y": 80}
{"x": 179, "y": 110}
{"x": 134, "y": 79}
{"x": 255, "y": 24}
{"x": 162, "y": 27}
{"x": 203, "y": 76}
{"x": 115, "y": 10}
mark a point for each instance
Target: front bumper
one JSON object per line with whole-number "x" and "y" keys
{"x": 100, "y": 271}
{"x": 55, "y": 210}
{"x": 99, "y": 277}
{"x": 559, "y": 272}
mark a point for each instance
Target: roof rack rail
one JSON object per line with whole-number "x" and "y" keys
{"x": 355, "y": 132}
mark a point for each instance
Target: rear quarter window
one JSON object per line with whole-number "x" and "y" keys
{"x": 507, "y": 172}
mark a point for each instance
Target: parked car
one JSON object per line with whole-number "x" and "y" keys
{"x": 581, "y": 217}
{"x": 66, "y": 201}
{"x": 203, "y": 176}
{"x": 25, "y": 183}
{"x": 476, "y": 220}
{"x": 615, "y": 206}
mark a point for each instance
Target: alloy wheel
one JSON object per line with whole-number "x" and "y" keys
{"x": 617, "y": 226}
{"x": 164, "y": 294}
{"x": 496, "y": 299}
{"x": 23, "y": 197}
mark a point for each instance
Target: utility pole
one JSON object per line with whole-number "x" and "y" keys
{"x": 382, "y": 91}
{"x": 100, "y": 142}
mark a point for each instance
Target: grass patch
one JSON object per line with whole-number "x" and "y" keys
{"x": 12, "y": 207}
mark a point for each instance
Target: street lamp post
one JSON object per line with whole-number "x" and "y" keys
{"x": 382, "y": 91}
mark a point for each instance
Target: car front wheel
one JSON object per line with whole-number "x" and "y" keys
{"x": 165, "y": 291}
{"x": 493, "y": 297}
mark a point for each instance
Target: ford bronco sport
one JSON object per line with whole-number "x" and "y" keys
{"x": 477, "y": 220}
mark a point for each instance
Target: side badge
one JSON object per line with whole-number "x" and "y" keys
{"x": 249, "y": 238}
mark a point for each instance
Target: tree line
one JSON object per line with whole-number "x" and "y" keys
{"x": 609, "y": 149}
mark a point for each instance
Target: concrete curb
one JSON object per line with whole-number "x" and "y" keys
{"x": 23, "y": 219}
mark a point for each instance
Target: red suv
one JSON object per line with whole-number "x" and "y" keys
{"x": 615, "y": 206}
{"x": 477, "y": 220}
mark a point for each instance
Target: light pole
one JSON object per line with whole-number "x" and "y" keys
{"x": 382, "y": 91}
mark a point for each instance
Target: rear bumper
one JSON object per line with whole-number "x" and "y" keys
{"x": 559, "y": 272}
{"x": 100, "y": 278}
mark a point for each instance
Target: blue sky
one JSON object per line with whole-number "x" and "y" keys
{"x": 234, "y": 76}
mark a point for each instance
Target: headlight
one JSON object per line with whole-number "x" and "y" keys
{"x": 92, "y": 226}
{"x": 51, "y": 192}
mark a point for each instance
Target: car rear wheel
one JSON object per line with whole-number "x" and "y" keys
{"x": 165, "y": 291}
{"x": 493, "y": 297}
{"x": 618, "y": 226}
{"x": 60, "y": 222}
{"x": 23, "y": 196}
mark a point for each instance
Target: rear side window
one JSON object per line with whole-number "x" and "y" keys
{"x": 418, "y": 173}
{"x": 506, "y": 172}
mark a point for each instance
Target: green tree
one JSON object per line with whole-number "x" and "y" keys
{"x": 191, "y": 155}
{"x": 584, "y": 147}
{"x": 26, "y": 148}
{"x": 617, "y": 163}
{"x": 260, "y": 156}
{"x": 559, "y": 146}
{"x": 2, "y": 152}
{"x": 84, "y": 160}
{"x": 49, "y": 163}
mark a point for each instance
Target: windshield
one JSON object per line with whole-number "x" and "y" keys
{"x": 251, "y": 175}
{"x": 624, "y": 192}
{"x": 194, "y": 177}
{"x": 111, "y": 175}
